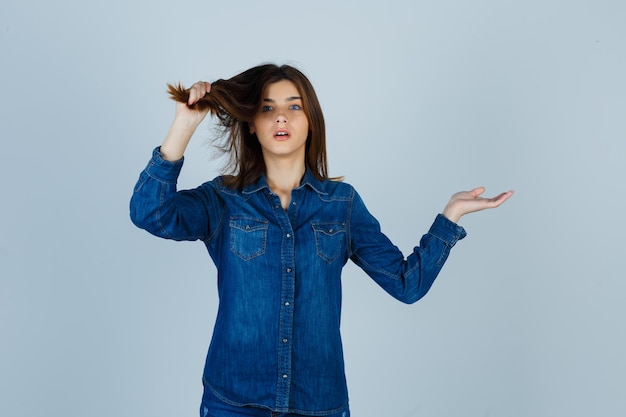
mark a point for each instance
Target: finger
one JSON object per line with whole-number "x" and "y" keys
{"x": 501, "y": 198}
{"x": 197, "y": 91}
{"x": 477, "y": 191}
{"x": 507, "y": 195}
{"x": 192, "y": 95}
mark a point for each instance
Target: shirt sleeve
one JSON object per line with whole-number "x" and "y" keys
{"x": 408, "y": 279}
{"x": 157, "y": 207}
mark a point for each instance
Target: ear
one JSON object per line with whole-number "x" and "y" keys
{"x": 252, "y": 130}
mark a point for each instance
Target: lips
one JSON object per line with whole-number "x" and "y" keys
{"x": 282, "y": 134}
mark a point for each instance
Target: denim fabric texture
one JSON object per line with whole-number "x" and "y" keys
{"x": 213, "y": 406}
{"x": 276, "y": 342}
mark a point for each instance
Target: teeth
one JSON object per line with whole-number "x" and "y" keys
{"x": 281, "y": 134}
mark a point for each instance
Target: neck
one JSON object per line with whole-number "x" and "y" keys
{"x": 284, "y": 175}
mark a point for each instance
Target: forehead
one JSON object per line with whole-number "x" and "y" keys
{"x": 282, "y": 89}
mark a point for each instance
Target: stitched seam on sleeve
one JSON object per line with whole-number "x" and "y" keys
{"x": 381, "y": 271}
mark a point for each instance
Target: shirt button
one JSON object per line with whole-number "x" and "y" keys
{"x": 293, "y": 204}
{"x": 287, "y": 303}
{"x": 288, "y": 269}
{"x": 285, "y": 376}
{"x": 288, "y": 235}
{"x": 285, "y": 340}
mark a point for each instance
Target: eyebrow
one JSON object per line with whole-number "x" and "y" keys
{"x": 269, "y": 100}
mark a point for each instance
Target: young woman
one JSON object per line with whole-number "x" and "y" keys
{"x": 279, "y": 231}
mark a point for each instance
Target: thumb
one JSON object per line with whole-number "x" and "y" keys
{"x": 477, "y": 191}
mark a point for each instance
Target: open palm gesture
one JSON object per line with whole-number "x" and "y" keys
{"x": 465, "y": 202}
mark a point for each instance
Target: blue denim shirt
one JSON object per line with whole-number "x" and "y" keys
{"x": 276, "y": 341}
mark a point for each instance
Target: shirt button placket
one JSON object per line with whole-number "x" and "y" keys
{"x": 286, "y": 314}
{"x": 287, "y": 304}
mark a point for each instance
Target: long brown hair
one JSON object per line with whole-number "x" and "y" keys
{"x": 235, "y": 102}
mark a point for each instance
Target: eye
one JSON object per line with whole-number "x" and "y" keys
{"x": 267, "y": 108}
{"x": 295, "y": 107}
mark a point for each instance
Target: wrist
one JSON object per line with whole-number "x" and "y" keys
{"x": 185, "y": 123}
{"x": 451, "y": 214}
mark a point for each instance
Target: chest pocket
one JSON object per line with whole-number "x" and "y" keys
{"x": 248, "y": 237}
{"x": 329, "y": 240}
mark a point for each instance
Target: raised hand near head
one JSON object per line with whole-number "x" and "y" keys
{"x": 188, "y": 116}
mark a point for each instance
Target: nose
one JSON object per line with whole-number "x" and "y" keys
{"x": 281, "y": 118}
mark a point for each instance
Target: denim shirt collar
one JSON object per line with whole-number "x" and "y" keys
{"x": 307, "y": 180}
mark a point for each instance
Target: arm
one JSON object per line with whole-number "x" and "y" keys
{"x": 408, "y": 279}
{"x": 156, "y": 205}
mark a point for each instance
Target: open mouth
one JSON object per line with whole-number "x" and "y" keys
{"x": 281, "y": 135}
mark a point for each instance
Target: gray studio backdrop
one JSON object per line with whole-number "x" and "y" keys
{"x": 422, "y": 99}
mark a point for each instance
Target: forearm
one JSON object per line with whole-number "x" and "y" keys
{"x": 409, "y": 280}
{"x": 177, "y": 139}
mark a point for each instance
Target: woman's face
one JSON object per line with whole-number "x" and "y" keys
{"x": 281, "y": 125}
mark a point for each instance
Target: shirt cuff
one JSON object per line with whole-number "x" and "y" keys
{"x": 162, "y": 170}
{"x": 446, "y": 230}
